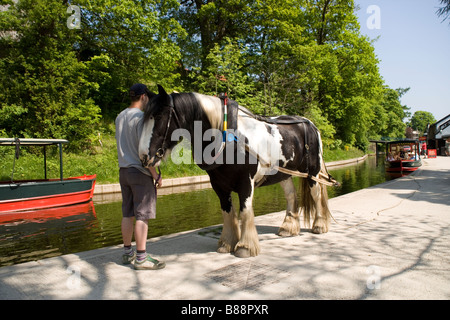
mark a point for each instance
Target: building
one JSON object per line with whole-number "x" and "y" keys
{"x": 438, "y": 136}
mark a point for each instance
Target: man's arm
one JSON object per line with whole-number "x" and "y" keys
{"x": 155, "y": 176}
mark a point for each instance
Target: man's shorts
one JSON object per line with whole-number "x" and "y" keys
{"x": 138, "y": 194}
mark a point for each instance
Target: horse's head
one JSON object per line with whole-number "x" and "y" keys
{"x": 160, "y": 121}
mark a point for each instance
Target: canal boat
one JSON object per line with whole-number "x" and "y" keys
{"x": 402, "y": 156}
{"x": 20, "y": 195}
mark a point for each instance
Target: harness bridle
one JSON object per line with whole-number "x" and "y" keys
{"x": 162, "y": 150}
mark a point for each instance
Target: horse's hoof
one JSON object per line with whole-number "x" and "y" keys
{"x": 242, "y": 253}
{"x": 223, "y": 249}
{"x": 285, "y": 233}
{"x": 319, "y": 230}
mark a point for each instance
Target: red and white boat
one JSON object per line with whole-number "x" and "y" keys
{"x": 19, "y": 195}
{"x": 402, "y": 156}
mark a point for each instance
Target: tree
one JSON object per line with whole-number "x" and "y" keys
{"x": 348, "y": 79}
{"x": 304, "y": 57}
{"x": 225, "y": 74}
{"x": 209, "y": 22}
{"x": 44, "y": 92}
{"x": 420, "y": 120}
{"x": 124, "y": 42}
{"x": 445, "y": 10}
{"x": 57, "y": 81}
{"x": 388, "y": 120}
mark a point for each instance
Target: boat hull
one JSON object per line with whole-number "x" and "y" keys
{"x": 39, "y": 194}
{"x": 403, "y": 165}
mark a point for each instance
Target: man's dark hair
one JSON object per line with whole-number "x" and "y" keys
{"x": 137, "y": 90}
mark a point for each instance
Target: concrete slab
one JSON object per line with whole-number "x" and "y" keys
{"x": 390, "y": 241}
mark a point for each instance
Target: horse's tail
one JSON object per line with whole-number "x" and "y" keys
{"x": 310, "y": 203}
{"x": 306, "y": 202}
{"x": 314, "y": 195}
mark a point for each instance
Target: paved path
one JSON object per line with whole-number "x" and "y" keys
{"x": 391, "y": 241}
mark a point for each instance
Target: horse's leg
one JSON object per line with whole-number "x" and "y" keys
{"x": 230, "y": 231}
{"x": 322, "y": 217}
{"x": 248, "y": 245}
{"x": 291, "y": 223}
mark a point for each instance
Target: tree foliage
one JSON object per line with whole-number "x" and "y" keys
{"x": 420, "y": 120}
{"x": 57, "y": 82}
{"x": 43, "y": 89}
{"x": 304, "y": 57}
{"x": 444, "y": 11}
{"x": 124, "y": 42}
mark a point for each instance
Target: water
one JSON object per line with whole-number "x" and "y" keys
{"x": 95, "y": 224}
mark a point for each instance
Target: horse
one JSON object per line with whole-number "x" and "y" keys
{"x": 261, "y": 151}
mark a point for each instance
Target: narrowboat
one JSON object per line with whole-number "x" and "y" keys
{"x": 21, "y": 195}
{"x": 402, "y": 156}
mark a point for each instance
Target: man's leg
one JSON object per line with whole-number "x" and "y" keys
{"x": 144, "y": 203}
{"x": 127, "y": 234}
{"x": 127, "y": 217}
{"x": 143, "y": 259}
{"x": 140, "y": 234}
{"x": 127, "y": 230}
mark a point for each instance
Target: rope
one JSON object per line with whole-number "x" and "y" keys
{"x": 330, "y": 182}
{"x": 320, "y": 179}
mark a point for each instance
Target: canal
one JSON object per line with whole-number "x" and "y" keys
{"x": 97, "y": 224}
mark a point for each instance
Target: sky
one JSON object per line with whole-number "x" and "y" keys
{"x": 413, "y": 47}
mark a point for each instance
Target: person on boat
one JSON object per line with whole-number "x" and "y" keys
{"x": 390, "y": 157}
{"x": 395, "y": 156}
{"x": 136, "y": 182}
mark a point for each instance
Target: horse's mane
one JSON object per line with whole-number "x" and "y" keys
{"x": 181, "y": 100}
{"x": 186, "y": 105}
{"x": 212, "y": 108}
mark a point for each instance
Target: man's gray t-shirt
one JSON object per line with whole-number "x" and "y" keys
{"x": 129, "y": 124}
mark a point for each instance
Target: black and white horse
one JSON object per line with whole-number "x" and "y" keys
{"x": 259, "y": 146}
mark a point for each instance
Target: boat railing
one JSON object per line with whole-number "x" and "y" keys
{"x": 18, "y": 142}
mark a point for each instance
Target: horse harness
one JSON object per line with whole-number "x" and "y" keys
{"x": 323, "y": 179}
{"x": 330, "y": 181}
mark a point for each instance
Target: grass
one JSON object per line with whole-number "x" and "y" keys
{"x": 340, "y": 154}
{"x": 103, "y": 162}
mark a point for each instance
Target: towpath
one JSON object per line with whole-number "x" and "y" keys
{"x": 389, "y": 241}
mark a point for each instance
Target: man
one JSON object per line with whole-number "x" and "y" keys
{"x": 136, "y": 182}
